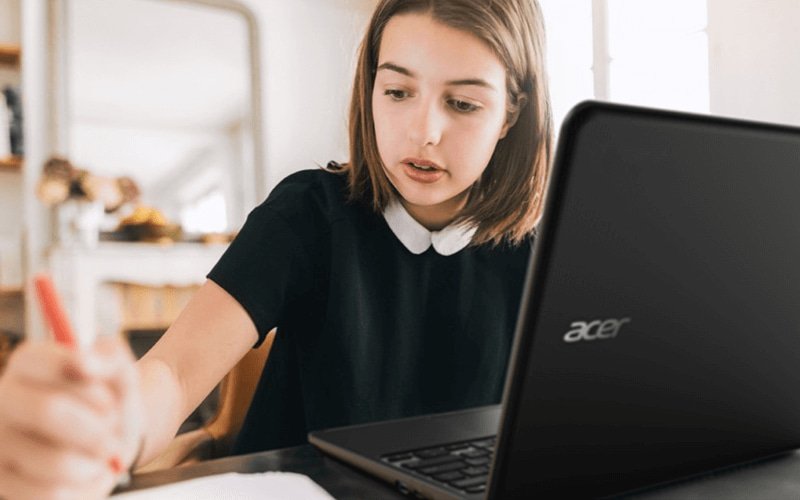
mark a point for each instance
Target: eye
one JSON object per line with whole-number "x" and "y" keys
{"x": 463, "y": 106}
{"x": 396, "y": 95}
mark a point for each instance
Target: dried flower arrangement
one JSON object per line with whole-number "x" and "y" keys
{"x": 62, "y": 181}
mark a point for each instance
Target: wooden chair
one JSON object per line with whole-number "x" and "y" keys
{"x": 215, "y": 439}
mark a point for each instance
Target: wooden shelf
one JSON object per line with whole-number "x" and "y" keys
{"x": 10, "y": 55}
{"x": 11, "y": 291}
{"x": 11, "y": 164}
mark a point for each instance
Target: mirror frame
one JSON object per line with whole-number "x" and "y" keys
{"x": 59, "y": 66}
{"x": 45, "y": 82}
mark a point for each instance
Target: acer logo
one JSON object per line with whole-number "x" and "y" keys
{"x": 597, "y": 329}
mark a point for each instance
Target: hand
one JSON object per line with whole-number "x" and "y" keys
{"x": 64, "y": 416}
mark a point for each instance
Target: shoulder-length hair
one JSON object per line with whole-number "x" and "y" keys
{"x": 506, "y": 203}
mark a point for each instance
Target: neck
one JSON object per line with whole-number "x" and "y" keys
{"x": 436, "y": 217}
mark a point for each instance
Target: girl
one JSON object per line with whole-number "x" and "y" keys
{"x": 394, "y": 279}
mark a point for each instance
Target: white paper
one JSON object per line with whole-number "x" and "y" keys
{"x": 233, "y": 485}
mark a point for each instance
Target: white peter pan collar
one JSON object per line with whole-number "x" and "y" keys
{"x": 416, "y": 238}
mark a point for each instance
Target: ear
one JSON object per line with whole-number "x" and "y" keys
{"x": 513, "y": 114}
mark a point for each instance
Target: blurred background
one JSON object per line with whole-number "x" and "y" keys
{"x": 145, "y": 130}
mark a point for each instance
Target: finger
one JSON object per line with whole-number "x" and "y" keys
{"x": 60, "y": 419}
{"x": 41, "y": 462}
{"x": 53, "y": 366}
{"x": 48, "y": 362}
{"x": 112, "y": 362}
{"x": 12, "y": 485}
{"x": 126, "y": 385}
{"x": 40, "y": 362}
{"x": 97, "y": 395}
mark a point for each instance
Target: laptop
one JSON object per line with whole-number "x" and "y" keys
{"x": 659, "y": 331}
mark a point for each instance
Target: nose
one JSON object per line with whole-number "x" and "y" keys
{"x": 427, "y": 124}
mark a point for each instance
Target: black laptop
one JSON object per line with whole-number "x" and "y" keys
{"x": 659, "y": 332}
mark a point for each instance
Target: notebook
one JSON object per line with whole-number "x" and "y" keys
{"x": 659, "y": 329}
{"x": 233, "y": 485}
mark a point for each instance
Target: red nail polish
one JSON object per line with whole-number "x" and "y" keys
{"x": 116, "y": 464}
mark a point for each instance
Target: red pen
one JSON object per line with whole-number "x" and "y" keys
{"x": 56, "y": 317}
{"x": 54, "y": 312}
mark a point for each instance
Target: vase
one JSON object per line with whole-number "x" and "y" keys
{"x": 79, "y": 223}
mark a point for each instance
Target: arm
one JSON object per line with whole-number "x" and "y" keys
{"x": 209, "y": 337}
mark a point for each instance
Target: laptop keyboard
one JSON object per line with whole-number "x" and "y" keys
{"x": 464, "y": 466}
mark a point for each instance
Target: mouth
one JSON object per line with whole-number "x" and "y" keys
{"x": 422, "y": 165}
{"x": 423, "y": 169}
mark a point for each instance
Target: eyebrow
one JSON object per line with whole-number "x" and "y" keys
{"x": 478, "y": 82}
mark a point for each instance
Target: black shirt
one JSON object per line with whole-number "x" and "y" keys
{"x": 367, "y": 330}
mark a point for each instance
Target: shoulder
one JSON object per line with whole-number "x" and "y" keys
{"x": 313, "y": 191}
{"x": 311, "y": 182}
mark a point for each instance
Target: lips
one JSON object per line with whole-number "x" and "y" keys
{"x": 422, "y": 170}
{"x": 422, "y": 164}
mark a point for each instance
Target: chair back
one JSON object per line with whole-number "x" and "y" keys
{"x": 236, "y": 394}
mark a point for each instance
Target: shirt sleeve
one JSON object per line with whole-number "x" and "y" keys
{"x": 266, "y": 267}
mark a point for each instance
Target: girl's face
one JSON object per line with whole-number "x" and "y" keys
{"x": 439, "y": 107}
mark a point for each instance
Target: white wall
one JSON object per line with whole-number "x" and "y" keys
{"x": 754, "y": 48}
{"x": 308, "y": 51}
{"x": 9, "y": 21}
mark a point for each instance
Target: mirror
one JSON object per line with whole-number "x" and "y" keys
{"x": 166, "y": 92}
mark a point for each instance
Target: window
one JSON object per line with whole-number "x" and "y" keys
{"x": 569, "y": 53}
{"x": 206, "y": 215}
{"x": 649, "y": 53}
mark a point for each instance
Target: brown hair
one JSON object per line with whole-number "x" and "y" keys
{"x": 506, "y": 202}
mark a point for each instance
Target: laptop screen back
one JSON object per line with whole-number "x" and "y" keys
{"x": 663, "y": 317}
